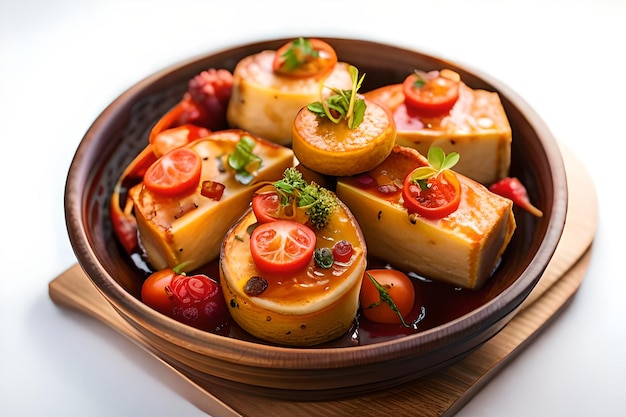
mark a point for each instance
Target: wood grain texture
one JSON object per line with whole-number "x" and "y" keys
{"x": 442, "y": 393}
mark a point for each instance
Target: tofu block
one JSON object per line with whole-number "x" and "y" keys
{"x": 266, "y": 104}
{"x": 462, "y": 248}
{"x": 190, "y": 229}
{"x": 477, "y": 128}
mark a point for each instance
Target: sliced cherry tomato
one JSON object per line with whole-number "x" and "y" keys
{"x": 282, "y": 246}
{"x": 195, "y": 300}
{"x": 303, "y": 58}
{"x": 399, "y": 287}
{"x": 175, "y": 173}
{"x": 440, "y": 199}
{"x": 266, "y": 207}
{"x": 175, "y": 137}
{"x": 342, "y": 251}
{"x": 430, "y": 94}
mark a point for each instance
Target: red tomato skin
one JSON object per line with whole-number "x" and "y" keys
{"x": 297, "y": 238}
{"x": 266, "y": 207}
{"x": 199, "y": 303}
{"x": 400, "y": 289}
{"x": 319, "y": 67}
{"x": 194, "y": 300}
{"x": 435, "y": 98}
{"x": 433, "y": 205}
{"x": 156, "y": 292}
{"x": 175, "y": 173}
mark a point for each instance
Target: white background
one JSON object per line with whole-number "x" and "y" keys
{"x": 63, "y": 61}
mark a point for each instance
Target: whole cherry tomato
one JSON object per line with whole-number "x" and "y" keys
{"x": 266, "y": 206}
{"x": 175, "y": 173}
{"x": 399, "y": 287}
{"x": 441, "y": 198}
{"x": 282, "y": 246}
{"x": 195, "y": 300}
{"x": 303, "y": 58}
{"x": 430, "y": 94}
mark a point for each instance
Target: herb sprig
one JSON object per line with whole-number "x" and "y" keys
{"x": 244, "y": 161}
{"x": 438, "y": 162}
{"x": 300, "y": 51}
{"x": 318, "y": 201}
{"x": 343, "y": 104}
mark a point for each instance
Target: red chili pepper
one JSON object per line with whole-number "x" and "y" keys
{"x": 124, "y": 224}
{"x": 513, "y": 189}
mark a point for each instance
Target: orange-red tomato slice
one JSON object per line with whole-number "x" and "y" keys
{"x": 399, "y": 287}
{"x": 175, "y": 173}
{"x": 294, "y": 60}
{"x": 266, "y": 206}
{"x": 440, "y": 199}
{"x": 432, "y": 97}
{"x": 282, "y": 246}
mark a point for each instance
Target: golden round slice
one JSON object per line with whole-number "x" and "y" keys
{"x": 304, "y": 308}
{"x": 335, "y": 149}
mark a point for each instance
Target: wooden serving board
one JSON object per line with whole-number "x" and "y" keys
{"x": 442, "y": 393}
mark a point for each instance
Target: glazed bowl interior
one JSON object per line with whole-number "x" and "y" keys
{"x": 342, "y": 367}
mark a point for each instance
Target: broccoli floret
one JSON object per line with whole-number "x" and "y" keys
{"x": 320, "y": 202}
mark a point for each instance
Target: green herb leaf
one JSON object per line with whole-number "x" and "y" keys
{"x": 343, "y": 104}
{"x": 438, "y": 162}
{"x": 299, "y": 53}
{"x": 244, "y": 161}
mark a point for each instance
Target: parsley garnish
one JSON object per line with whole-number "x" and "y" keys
{"x": 318, "y": 201}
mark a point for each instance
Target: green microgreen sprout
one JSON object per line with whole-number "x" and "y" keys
{"x": 420, "y": 79}
{"x": 438, "y": 162}
{"x": 343, "y": 104}
{"x": 244, "y": 161}
{"x": 386, "y": 298}
{"x": 300, "y": 52}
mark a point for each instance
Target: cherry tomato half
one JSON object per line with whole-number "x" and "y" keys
{"x": 303, "y": 58}
{"x": 266, "y": 207}
{"x": 440, "y": 199}
{"x": 282, "y": 246}
{"x": 399, "y": 287}
{"x": 175, "y": 173}
{"x": 195, "y": 300}
{"x": 430, "y": 95}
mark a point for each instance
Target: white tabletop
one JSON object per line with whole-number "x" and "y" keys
{"x": 63, "y": 61}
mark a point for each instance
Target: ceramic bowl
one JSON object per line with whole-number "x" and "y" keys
{"x": 348, "y": 366}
